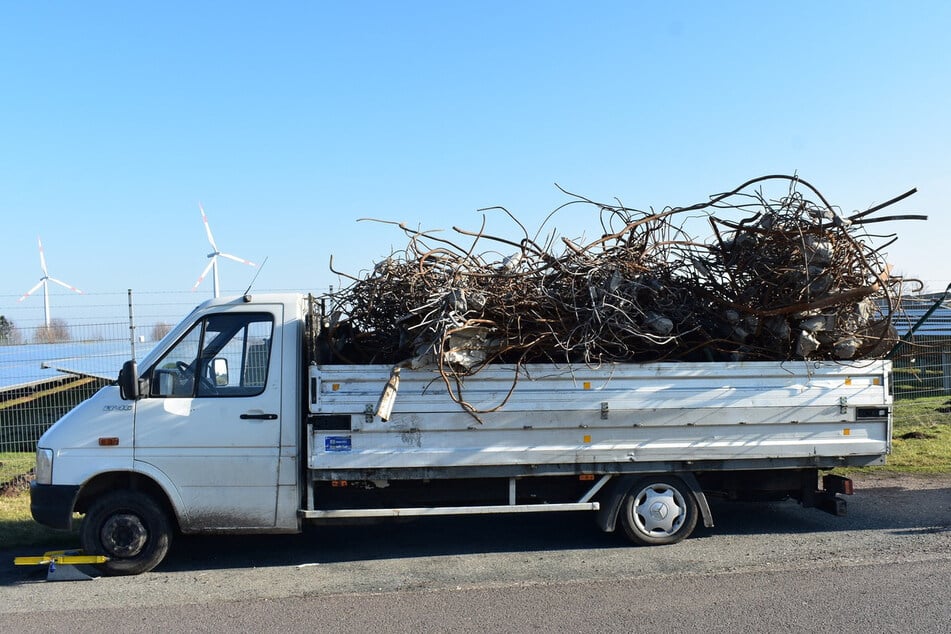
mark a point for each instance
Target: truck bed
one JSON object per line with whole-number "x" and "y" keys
{"x": 610, "y": 419}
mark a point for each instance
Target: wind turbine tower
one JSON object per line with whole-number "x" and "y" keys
{"x": 44, "y": 282}
{"x": 213, "y": 256}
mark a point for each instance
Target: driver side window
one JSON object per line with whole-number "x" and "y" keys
{"x": 174, "y": 374}
{"x": 222, "y": 355}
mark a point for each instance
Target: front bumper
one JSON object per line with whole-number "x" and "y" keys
{"x": 52, "y": 504}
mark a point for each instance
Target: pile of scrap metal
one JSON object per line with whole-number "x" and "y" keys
{"x": 779, "y": 278}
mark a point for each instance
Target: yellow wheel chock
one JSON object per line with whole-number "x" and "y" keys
{"x": 61, "y": 564}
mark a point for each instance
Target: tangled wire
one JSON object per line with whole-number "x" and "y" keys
{"x": 779, "y": 279}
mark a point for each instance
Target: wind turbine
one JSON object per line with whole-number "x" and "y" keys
{"x": 213, "y": 256}
{"x": 44, "y": 282}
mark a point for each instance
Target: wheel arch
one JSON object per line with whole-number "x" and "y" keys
{"x": 612, "y": 498}
{"x": 126, "y": 480}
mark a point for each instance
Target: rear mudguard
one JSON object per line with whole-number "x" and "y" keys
{"x": 612, "y": 498}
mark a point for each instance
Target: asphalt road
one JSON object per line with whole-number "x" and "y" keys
{"x": 884, "y": 567}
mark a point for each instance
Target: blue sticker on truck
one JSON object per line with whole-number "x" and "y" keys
{"x": 337, "y": 443}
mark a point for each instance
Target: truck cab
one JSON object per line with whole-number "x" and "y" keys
{"x": 206, "y": 427}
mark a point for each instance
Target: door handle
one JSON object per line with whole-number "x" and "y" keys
{"x": 258, "y": 416}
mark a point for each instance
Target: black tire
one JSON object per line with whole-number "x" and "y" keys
{"x": 658, "y": 510}
{"x": 130, "y": 528}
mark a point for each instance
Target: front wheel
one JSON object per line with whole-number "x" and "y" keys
{"x": 129, "y": 528}
{"x": 658, "y": 510}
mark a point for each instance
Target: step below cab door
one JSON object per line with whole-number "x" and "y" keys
{"x": 210, "y": 424}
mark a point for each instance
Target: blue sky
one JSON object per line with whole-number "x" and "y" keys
{"x": 289, "y": 121}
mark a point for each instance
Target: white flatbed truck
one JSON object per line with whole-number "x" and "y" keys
{"x": 235, "y": 423}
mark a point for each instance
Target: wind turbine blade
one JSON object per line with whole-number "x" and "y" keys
{"x": 42, "y": 257}
{"x": 201, "y": 277}
{"x": 237, "y": 259}
{"x": 65, "y": 285}
{"x": 204, "y": 219}
{"x": 32, "y": 290}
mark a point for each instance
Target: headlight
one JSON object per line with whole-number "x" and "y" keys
{"x": 44, "y": 466}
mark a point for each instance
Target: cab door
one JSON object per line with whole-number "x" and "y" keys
{"x": 210, "y": 424}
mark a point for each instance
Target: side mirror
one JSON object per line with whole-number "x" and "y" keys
{"x": 219, "y": 366}
{"x": 129, "y": 381}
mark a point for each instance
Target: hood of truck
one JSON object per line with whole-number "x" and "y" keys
{"x": 103, "y": 420}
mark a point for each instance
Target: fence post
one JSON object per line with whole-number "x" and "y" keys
{"x": 131, "y": 326}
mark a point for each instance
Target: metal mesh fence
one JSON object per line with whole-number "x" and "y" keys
{"x": 27, "y": 412}
{"x": 45, "y": 370}
{"x": 921, "y": 361}
{"x": 922, "y": 367}
{"x": 47, "y": 367}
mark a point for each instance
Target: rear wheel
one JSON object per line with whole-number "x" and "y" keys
{"x": 658, "y": 510}
{"x": 129, "y": 528}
